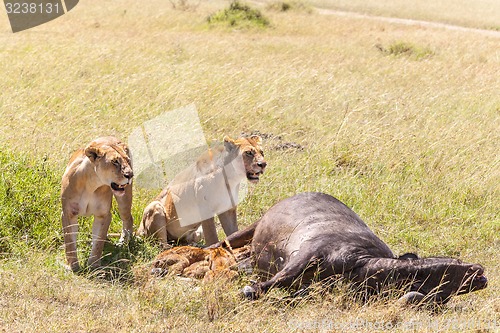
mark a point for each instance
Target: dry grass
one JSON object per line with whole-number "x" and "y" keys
{"x": 410, "y": 143}
{"x": 38, "y": 297}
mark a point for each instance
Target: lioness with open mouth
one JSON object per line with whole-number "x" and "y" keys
{"x": 93, "y": 176}
{"x": 207, "y": 188}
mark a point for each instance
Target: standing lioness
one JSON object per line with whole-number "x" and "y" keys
{"x": 207, "y": 188}
{"x": 92, "y": 177}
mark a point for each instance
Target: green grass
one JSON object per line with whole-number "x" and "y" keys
{"x": 406, "y": 49}
{"x": 409, "y": 142}
{"x": 28, "y": 196}
{"x": 239, "y": 15}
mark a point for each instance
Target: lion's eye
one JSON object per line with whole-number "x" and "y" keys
{"x": 249, "y": 153}
{"x": 262, "y": 153}
{"x": 115, "y": 162}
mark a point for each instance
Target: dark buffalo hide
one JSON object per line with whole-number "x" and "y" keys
{"x": 314, "y": 235}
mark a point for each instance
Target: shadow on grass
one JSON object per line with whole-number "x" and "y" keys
{"x": 118, "y": 261}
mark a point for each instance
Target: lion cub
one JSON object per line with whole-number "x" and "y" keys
{"x": 193, "y": 262}
{"x": 207, "y": 188}
{"x": 93, "y": 176}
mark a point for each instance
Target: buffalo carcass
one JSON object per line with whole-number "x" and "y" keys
{"x": 314, "y": 235}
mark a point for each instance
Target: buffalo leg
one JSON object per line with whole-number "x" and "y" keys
{"x": 287, "y": 277}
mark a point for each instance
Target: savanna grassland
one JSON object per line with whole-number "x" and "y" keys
{"x": 399, "y": 122}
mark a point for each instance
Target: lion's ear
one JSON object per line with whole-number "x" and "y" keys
{"x": 257, "y": 139}
{"x": 126, "y": 149}
{"x": 229, "y": 143}
{"x": 93, "y": 152}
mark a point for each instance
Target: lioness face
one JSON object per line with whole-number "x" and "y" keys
{"x": 112, "y": 165}
{"x": 253, "y": 156}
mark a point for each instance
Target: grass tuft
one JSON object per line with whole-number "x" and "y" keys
{"x": 184, "y": 5}
{"x": 401, "y": 48}
{"x": 290, "y": 5}
{"x": 239, "y": 15}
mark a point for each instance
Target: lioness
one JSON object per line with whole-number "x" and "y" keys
{"x": 92, "y": 177}
{"x": 209, "y": 187}
{"x": 193, "y": 262}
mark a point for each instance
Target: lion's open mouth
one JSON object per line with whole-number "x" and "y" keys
{"x": 118, "y": 188}
{"x": 253, "y": 176}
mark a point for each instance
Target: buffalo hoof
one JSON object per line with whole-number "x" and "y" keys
{"x": 249, "y": 292}
{"x": 411, "y": 298}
